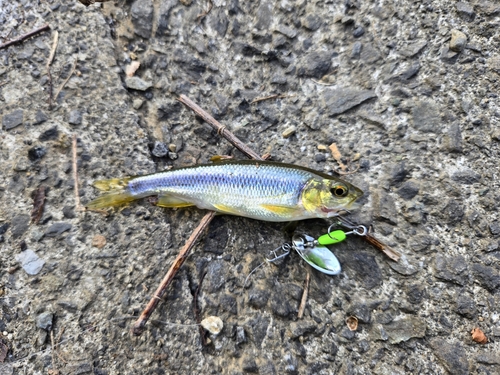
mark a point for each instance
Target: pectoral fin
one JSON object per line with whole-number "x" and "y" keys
{"x": 171, "y": 201}
{"x": 280, "y": 210}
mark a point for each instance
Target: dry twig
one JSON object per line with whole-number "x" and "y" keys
{"x": 49, "y": 62}
{"x": 200, "y": 17}
{"x": 139, "y": 325}
{"x": 222, "y": 130}
{"x": 275, "y": 96}
{"x": 303, "y": 300}
{"x": 25, "y": 36}
{"x": 66, "y": 80}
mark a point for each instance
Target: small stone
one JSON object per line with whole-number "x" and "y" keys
{"x": 358, "y": 31}
{"x": 160, "y": 149}
{"x": 136, "y": 83}
{"x": 408, "y": 190}
{"x": 320, "y": 158}
{"x": 426, "y": 117}
{"x": 22, "y": 164}
{"x": 57, "y": 229}
{"x": 287, "y": 31}
{"x": 487, "y": 276}
{"x": 49, "y": 134}
{"x": 342, "y": 99}
{"x": 212, "y": 324}
{"x": 99, "y": 241}
{"x": 36, "y": 153}
{"x": 13, "y": 119}
{"x": 44, "y": 320}
{"x": 465, "y": 306}
{"x": 317, "y": 64}
{"x": 19, "y": 225}
{"x": 361, "y": 311}
{"x": 172, "y": 147}
{"x": 312, "y": 22}
{"x": 420, "y": 242}
{"x": 385, "y": 207}
{"x": 69, "y": 212}
{"x": 257, "y": 298}
{"x": 357, "y": 47}
{"x": 240, "y": 335}
{"x": 404, "y": 328}
{"x": 142, "y": 17}
{"x": 454, "y": 139}
{"x": 264, "y": 15}
{"x": 452, "y": 355}
{"x": 452, "y": 268}
{"x": 75, "y": 117}
{"x": 458, "y": 40}
{"x": 403, "y": 267}
{"x": 40, "y": 117}
{"x": 453, "y": 212}
{"x": 288, "y": 132}
{"x": 465, "y": 10}
{"x": 494, "y": 228}
{"x": 31, "y": 263}
{"x": 466, "y": 177}
{"x": 301, "y": 328}
{"x": 137, "y": 103}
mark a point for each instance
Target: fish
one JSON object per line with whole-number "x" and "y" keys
{"x": 262, "y": 190}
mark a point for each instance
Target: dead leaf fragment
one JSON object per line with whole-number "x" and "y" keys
{"x": 38, "y": 203}
{"x": 132, "y": 68}
{"x": 337, "y": 155}
{"x": 99, "y": 241}
{"x": 479, "y": 336}
{"x": 352, "y": 323}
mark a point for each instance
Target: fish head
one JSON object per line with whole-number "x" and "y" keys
{"x": 327, "y": 197}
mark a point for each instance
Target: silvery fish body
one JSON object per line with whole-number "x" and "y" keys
{"x": 260, "y": 190}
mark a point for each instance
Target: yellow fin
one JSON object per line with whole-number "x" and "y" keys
{"x": 279, "y": 210}
{"x": 226, "y": 209}
{"x": 113, "y": 198}
{"x": 112, "y": 184}
{"x": 171, "y": 202}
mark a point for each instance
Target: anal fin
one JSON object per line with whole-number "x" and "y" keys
{"x": 226, "y": 209}
{"x": 280, "y": 210}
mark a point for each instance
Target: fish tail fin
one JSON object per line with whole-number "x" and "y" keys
{"x": 116, "y": 193}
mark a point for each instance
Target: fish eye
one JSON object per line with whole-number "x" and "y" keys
{"x": 339, "y": 191}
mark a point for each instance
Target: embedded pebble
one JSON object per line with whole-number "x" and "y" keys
{"x": 30, "y": 262}
{"x": 45, "y": 320}
{"x": 136, "y": 83}
{"x": 212, "y": 324}
{"x": 458, "y": 40}
{"x": 13, "y": 119}
{"x": 288, "y": 132}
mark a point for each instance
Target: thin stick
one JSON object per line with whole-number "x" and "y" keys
{"x": 25, "y": 36}
{"x": 275, "y": 96}
{"x": 75, "y": 176}
{"x": 66, "y": 80}
{"x": 200, "y": 17}
{"x": 49, "y": 62}
{"x": 303, "y": 301}
{"x": 220, "y": 128}
{"x": 387, "y": 250}
{"x": 139, "y": 325}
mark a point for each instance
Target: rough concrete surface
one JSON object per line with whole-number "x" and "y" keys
{"x": 407, "y": 90}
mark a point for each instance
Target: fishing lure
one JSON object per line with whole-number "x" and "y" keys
{"x": 261, "y": 190}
